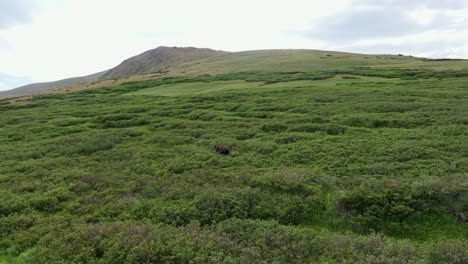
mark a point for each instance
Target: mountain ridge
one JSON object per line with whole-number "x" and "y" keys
{"x": 191, "y": 61}
{"x": 150, "y": 61}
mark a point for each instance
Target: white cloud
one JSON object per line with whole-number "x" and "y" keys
{"x": 70, "y": 38}
{"x": 422, "y": 28}
{"x": 67, "y": 38}
{"x": 423, "y": 16}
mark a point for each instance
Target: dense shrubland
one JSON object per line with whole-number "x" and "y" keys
{"x": 319, "y": 168}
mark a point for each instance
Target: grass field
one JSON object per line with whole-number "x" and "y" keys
{"x": 365, "y": 166}
{"x": 195, "y": 88}
{"x": 304, "y": 60}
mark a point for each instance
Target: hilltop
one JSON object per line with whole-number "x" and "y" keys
{"x": 151, "y": 61}
{"x": 190, "y": 61}
{"x": 158, "y": 60}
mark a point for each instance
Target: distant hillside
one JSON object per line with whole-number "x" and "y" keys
{"x": 287, "y": 60}
{"x": 189, "y": 61}
{"x": 159, "y": 59}
{"x": 151, "y": 61}
{"x": 40, "y": 87}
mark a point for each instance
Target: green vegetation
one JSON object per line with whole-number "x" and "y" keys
{"x": 355, "y": 165}
{"x": 305, "y": 60}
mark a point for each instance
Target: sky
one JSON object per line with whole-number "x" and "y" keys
{"x": 47, "y": 40}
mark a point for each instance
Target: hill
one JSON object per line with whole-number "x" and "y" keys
{"x": 151, "y": 61}
{"x": 178, "y": 61}
{"x": 36, "y": 88}
{"x": 285, "y": 60}
{"x": 158, "y": 60}
{"x": 252, "y": 157}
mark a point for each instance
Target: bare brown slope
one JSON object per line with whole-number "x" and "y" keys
{"x": 157, "y": 60}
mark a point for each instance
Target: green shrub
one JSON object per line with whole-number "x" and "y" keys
{"x": 388, "y": 206}
{"x": 85, "y": 144}
{"x": 215, "y": 206}
{"x": 448, "y": 252}
{"x": 11, "y": 203}
{"x": 274, "y": 128}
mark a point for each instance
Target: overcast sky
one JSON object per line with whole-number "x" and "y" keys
{"x": 45, "y": 40}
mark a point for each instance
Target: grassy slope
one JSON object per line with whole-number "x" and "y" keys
{"x": 314, "y": 168}
{"x": 196, "y": 88}
{"x": 303, "y": 60}
{"x": 149, "y": 62}
{"x": 275, "y": 61}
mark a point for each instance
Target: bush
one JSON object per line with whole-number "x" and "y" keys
{"x": 274, "y": 128}
{"x": 329, "y": 129}
{"x": 85, "y": 144}
{"x": 215, "y": 206}
{"x": 388, "y": 206}
{"x": 448, "y": 252}
{"x": 11, "y": 203}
